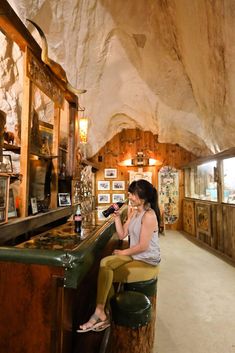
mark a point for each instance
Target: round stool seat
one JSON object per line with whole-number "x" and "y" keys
{"x": 130, "y": 309}
{"x": 148, "y": 287}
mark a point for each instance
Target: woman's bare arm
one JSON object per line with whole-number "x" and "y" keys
{"x": 149, "y": 225}
{"x": 122, "y": 229}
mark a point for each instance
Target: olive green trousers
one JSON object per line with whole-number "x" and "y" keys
{"x": 121, "y": 268}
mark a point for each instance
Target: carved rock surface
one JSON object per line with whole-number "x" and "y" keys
{"x": 164, "y": 66}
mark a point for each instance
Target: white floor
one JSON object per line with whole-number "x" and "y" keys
{"x": 196, "y": 299}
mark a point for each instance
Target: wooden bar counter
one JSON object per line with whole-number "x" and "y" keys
{"x": 48, "y": 286}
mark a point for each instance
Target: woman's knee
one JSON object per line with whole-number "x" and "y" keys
{"x": 104, "y": 262}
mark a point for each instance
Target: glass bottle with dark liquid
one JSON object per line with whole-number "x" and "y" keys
{"x": 113, "y": 207}
{"x": 78, "y": 220}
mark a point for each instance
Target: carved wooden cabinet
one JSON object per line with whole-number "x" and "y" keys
{"x": 37, "y": 127}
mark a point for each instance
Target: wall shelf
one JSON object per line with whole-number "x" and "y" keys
{"x": 43, "y": 156}
{"x": 12, "y": 148}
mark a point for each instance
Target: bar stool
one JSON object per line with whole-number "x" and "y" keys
{"x": 133, "y": 317}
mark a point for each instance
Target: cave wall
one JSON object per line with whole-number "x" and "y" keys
{"x": 161, "y": 66}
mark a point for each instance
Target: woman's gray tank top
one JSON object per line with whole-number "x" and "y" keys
{"x": 152, "y": 254}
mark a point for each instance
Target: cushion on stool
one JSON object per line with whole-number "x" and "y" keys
{"x": 148, "y": 288}
{"x": 130, "y": 309}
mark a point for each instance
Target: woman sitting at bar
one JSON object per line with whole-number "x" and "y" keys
{"x": 140, "y": 261}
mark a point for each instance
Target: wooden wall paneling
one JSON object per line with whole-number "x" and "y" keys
{"x": 228, "y": 234}
{"x": 224, "y": 228}
{"x": 233, "y": 234}
{"x": 219, "y": 226}
{"x": 221, "y": 219}
{"x": 215, "y": 209}
{"x": 27, "y": 300}
{"x": 127, "y": 143}
{"x": 25, "y": 142}
{"x": 231, "y": 230}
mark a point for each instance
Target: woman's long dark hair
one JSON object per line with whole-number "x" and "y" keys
{"x": 147, "y": 192}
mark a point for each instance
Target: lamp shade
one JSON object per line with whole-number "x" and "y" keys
{"x": 83, "y": 129}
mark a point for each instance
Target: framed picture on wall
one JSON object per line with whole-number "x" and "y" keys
{"x": 4, "y": 197}
{"x": 6, "y": 164}
{"x": 203, "y": 220}
{"x": 11, "y": 205}
{"x": 64, "y": 199}
{"x": 34, "y": 205}
{"x": 110, "y": 173}
{"x": 134, "y": 176}
{"x": 103, "y": 198}
{"x": 103, "y": 185}
{"x": 118, "y": 185}
{"x": 118, "y": 197}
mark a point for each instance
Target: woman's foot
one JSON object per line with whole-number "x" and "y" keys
{"x": 97, "y": 322}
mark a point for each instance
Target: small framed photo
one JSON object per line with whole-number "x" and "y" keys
{"x": 103, "y": 185}
{"x": 118, "y": 185}
{"x": 118, "y": 197}
{"x": 100, "y": 215}
{"x": 6, "y": 164}
{"x": 34, "y": 205}
{"x": 103, "y": 198}
{"x": 11, "y": 205}
{"x": 64, "y": 199}
{"x": 110, "y": 173}
{"x": 4, "y": 197}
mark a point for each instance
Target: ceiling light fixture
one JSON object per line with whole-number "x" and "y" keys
{"x": 83, "y": 126}
{"x": 140, "y": 160}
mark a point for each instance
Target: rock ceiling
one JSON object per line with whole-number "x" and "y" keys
{"x": 167, "y": 66}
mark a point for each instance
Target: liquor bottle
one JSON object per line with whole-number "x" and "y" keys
{"x": 113, "y": 207}
{"x": 78, "y": 220}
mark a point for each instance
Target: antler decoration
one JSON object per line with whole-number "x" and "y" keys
{"x": 55, "y": 67}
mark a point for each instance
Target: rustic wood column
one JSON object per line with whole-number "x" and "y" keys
{"x": 25, "y": 142}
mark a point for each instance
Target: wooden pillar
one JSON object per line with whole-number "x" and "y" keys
{"x": 25, "y": 143}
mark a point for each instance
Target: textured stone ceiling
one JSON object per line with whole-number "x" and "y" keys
{"x": 167, "y": 66}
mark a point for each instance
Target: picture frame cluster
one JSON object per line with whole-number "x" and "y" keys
{"x": 105, "y": 186}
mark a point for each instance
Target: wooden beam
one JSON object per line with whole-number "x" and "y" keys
{"x": 14, "y": 28}
{"x": 229, "y": 153}
{"x": 25, "y": 143}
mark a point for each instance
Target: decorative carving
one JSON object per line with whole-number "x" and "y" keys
{"x": 189, "y": 217}
{"x": 37, "y": 73}
{"x": 168, "y": 188}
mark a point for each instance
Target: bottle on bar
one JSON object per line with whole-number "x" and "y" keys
{"x": 113, "y": 207}
{"x": 78, "y": 220}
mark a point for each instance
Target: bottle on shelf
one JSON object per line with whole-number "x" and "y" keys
{"x": 114, "y": 207}
{"x": 78, "y": 220}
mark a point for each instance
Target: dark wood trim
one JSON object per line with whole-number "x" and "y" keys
{"x": 221, "y": 155}
{"x": 14, "y": 28}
